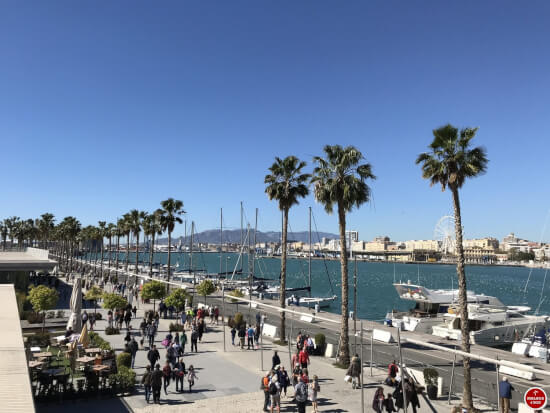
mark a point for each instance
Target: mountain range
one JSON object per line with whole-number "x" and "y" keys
{"x": 212, "y": 236}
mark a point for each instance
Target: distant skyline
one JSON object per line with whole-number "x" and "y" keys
{"x": 114, "y": 106}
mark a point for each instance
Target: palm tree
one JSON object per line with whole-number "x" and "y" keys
{"x": 340, "y": 179}
{"x": 111, "y": 232}
{"x": 126, "y": 230}
{"x": 4, "y": 233}
{"x": 171, "y": 210}
{"x": 135, "y": 221}
{"x": 45, "y": 227}
{"x": 449, "y": 162}
{"x": 102, "y": 232}
{"x": 119, "y": 233}
{"x": 286, "y": 184}
{"x": 151, "y": 227}
{"x": 12, "y": 224}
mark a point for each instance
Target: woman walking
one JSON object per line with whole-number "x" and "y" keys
{"x": 314, "y": 389}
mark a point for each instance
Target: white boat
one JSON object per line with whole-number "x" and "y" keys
{"x": 430, "y": 307}
{"x": 313, "y": 301}
{"x": 534, "y": 345}
{"x": 489, "y": 325}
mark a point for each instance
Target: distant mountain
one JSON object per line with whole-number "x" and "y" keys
{"x": 212, "y": 236}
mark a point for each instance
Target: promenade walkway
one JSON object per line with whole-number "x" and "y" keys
{"x": 229, "y": 381}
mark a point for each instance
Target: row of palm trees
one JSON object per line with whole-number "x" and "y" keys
{"x": 339, "y": 179}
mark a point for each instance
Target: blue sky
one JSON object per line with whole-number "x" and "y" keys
{"x": 109, "y": 106}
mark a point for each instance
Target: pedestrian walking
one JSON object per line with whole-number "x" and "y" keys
{"x": 233, "y": 334}
{"x": 354, "y": 369}
{"x": 151, "y": 331}
{"x": 314, "y": 386}
{"x": 264, "y": 386}
{"x": 275, "y": 394}
{"x": 133, "y": 346}
{"x": 194, "y": 339}
{"x": 303, "y": 358}
{"x": 284, "y": 380}
{"x": 378, "y": 400}
{"x": 250, "y": 335}
{"x": 275, "y": 360}
{"x": 191, "y": 377}
{"x": 153, "y": 355}
{"x": 388, "y": 404}
{"x": 242, "y": 335}
{"x": 179, "y": 373}
{"x": 183, "y": 342}
{"x": 412, "y": 394}
{"x": 166, "y": 374}
{"x": 146, "y": 380}
{"x": 300, "y": 394}
{"x": 156, "y": 383}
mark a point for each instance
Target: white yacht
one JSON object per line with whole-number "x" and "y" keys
{"x": 430, "y": 307}
{"x": 492, "y": 326}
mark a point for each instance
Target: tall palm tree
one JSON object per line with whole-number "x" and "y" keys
{"x": 102, "y": 232}
{"x": 126, "y": 230}
{"x": 4, "y": 230}
{"x": 449, "y": 162}
{"x": 135, "y": 221}
{"x": 111, "y": 232}
{"x": 286, "y": 184}
{"x": 339, "y": 179}
{"x": 152, "y": 227}
{"x": 171, "y": 211}
{"x": 45, "y": 227}
{"x": 119, "y": 233}
{"x": 12, "y": 224}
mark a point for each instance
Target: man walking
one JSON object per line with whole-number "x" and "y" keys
{"x": 301, "y": 395}
{"x": 133, "y": 346}
{"x": 194, "y": 339}
{"x": 156, "y": 383}
{"x": 265, "y": 387}
{"x": 151, "y": 331}
{"x": 146, "y": 380}
{"x": 505, "y": 394}
{"x": 153, "y": 356}
{"x": 250, "y": 334}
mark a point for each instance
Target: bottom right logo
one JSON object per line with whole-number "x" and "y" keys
{"x": 535, "y": 398}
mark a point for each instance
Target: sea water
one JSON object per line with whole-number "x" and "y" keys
{"x": 376, "y": 295}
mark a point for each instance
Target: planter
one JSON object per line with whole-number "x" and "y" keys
{"x": 432, "y": 392}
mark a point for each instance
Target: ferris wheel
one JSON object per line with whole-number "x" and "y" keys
{"x": 444, "y": 232}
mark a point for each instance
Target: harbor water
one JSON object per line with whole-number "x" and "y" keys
{"x": 376, "y": 295}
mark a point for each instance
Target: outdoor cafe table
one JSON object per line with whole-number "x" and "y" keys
{"x": 54, "y": 372}
{"x": 85, "y": 359}
{"x": 101, "y": 367}
{"x": 33, "y": 364}
{"x": 45, "y": 354}
{"x": 93, "y": 350}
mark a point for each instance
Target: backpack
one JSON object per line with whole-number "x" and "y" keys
{"x": 301, "y": 392}
{"x": 273, "y": 389}
{"x": 264, "y": 384}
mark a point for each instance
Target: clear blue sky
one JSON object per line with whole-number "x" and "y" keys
{"x": 109, "y": 106}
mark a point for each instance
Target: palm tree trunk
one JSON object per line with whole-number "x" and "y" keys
{"x": 137, "y": 252}
{"x": 110, "y": 252}
{"x": 101, "y": 245}
{"x": 343, "y": 355}
{"x": 462, "y": 300}
{"x": 169, "y": 248}
{"x": 117, "y": 251}
{"x": 151, "y": 254}
{"x": 127, "y": 251}
{"x": 282, "y": 293}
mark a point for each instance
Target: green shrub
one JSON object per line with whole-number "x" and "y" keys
{"x": 50, "y": 314}
{"x": 97, "y": 341}
{"x": 111, "y": 330}
{"x": 236, "y": 293}
{"x": 34, "y": 317}
{"x": 430, "y": 377}
{"x": 60, "y": 314}
{"x": 39, "y": 339}
{"x": 124, "y": 380}
{"x": 176, "y": 327}
{"x": 123, "y": 360}
{"x": 320, "y": 344}
{"x": 236, "y": 321}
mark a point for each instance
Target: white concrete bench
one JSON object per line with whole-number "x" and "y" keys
{"x": 330, "y": 351}
{"x": 382, "y": 335}
{"x": 521, "y": 348}
{"x": 510, "y": 371}
{"x": 522, "y": 408}
{"x": 269, "y": 330}
{"x": 418, "y": 376}
{"x": 307, "y": 318}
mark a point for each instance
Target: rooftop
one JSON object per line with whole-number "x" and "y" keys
{"x": 31, "y": 259}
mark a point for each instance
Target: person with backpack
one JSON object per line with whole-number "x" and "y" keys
{"x": 264, "y": 386}
{"x": 313, "y": 394}
{"x": 179, "y": 373}
{"x": 300, "y": 394}
{"x": 392, "y": 373}
{"x": 275, "y": 394}
{"x": 156, "y": 383}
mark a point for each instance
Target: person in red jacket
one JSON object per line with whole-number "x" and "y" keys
{"x": 303, "y": 357}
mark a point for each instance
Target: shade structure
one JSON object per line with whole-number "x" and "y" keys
{"x": 75, "y": 319}
{"x": 84, "y": 338}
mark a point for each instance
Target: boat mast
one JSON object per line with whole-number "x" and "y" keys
{"x": 250, "y": 268}
{"x": 309, "y": 260}
{"x": 254, "y": 245}
{"x": 221, "y": 239}
{"x": 241, "y": 223}
{"x": 191, "y": 248}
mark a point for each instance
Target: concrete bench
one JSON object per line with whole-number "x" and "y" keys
{"x": 269, "y": 330}
{"x": 382, "y": 335}
{"x": 522, "y": 408}
{"x": 418, "y": 376}
{"x": 510, "y": 371}
{"x": 307, "y": 318}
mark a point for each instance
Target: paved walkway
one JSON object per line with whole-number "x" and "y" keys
{"x": 229, "y": 381}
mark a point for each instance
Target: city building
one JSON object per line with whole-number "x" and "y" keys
{"x": 486, "y": 243}
{"x": 425, "y": 245}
